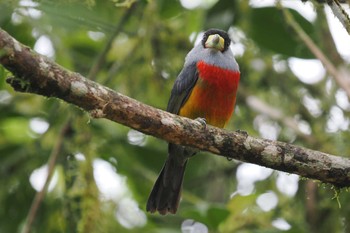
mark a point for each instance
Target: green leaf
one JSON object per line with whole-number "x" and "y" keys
{"x": 217, "y": 215}
{"x": 242, "y": 213}
{"x": 222, "y": 15}
{"x": 15, "y": 130}
{"x": 270, "y": 31}
{"x": 169, "y": 9}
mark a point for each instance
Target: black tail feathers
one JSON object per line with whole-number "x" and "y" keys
{"x": 166, "y": 192}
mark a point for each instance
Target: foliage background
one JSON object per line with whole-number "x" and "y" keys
{"x": 138, "y": 48}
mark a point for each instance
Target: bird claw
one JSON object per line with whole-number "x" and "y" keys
{"x": 242, "y": 132}
{"x": 202, "y": 121}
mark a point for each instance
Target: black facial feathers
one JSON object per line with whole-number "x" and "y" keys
{"x": 222, "y": 33}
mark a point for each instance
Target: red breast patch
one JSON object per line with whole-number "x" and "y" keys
{"x": 214, "y": 95}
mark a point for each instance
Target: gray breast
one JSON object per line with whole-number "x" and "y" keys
{"x": 211, "y": 56}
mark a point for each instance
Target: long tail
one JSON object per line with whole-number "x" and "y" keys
{"x": 166, "y": 192}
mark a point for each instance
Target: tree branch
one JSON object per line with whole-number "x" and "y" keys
{"x": 341, "y": 78}
{"x": 37, "y": 74}
{"x": 276, "y": 114}
{"x": 39, "y": 196}
{"x": 340, "y": 13}
{"x": 101, "y": 59}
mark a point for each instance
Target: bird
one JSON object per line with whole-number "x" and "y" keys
{"x": 205, "y": 89}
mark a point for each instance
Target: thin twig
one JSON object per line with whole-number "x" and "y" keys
{"x": 102, "y": 56}
{"x": 329, "y": 66}
{"x": 39, "y": 196}
{"x": 340, "y": 13}
{"x": 118, "y": 64}
{"x": 276, "y": 114}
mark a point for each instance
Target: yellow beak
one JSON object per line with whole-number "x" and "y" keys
{"x": 216, "y": 42}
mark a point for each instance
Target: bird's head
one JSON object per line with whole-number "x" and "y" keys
{"x": 216, "y": 39}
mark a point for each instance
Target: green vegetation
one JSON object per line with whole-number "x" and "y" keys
{"x": 103, "y": 172}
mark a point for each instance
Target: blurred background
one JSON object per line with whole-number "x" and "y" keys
{"x": 101, "y": 172}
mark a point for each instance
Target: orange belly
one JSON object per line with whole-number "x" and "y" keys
{"x": 214, "y": 95}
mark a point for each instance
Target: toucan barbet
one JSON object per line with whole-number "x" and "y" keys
{"x": 205, "y": 89}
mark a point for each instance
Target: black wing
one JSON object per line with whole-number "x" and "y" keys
{"x": 182, "y": 88}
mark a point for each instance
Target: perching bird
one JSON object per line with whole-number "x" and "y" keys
{"x": 205, "y": 88}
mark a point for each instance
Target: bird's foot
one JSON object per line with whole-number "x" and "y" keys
{"x": 202, "y": 121}
{"x": 242, "y": 132}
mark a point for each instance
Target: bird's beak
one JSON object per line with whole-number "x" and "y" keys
{"x": 216, "y": 42}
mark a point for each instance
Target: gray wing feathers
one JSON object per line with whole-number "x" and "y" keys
{"x": 182, "y": 88}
